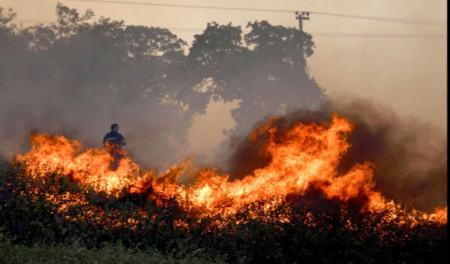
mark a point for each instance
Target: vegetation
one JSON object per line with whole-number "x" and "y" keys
{"x": 317, "y": 231}
{"x": 16, "y": 254}
{"x": 92, "y": 69}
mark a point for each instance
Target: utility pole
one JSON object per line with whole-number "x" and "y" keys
{"x": 300, "y": 16}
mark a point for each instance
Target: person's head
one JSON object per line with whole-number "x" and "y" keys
{"x": 115, "y": 127}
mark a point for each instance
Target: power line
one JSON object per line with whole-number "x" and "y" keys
{"x": 378, "y": 35}
{"x": 188, "y": 6}
{"x": 346, "y": 34}
{"x": 383, "y": 19}
{"x": 314, "y": 34}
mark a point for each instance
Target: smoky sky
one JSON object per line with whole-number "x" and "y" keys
{"x": 82, "y": 73}
{"x": 77, "y": 78}
{"x": 409, "y": 74}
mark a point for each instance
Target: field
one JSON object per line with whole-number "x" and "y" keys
{"x": 308, "y": 228}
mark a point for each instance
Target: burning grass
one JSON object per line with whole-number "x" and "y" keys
{"x": 294, "y": 208}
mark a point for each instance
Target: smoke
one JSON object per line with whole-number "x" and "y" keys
{"x": 79, "y": 84}
{"x": 150, "y": 134}
{"x": 80, "y": 74}
{"x": 409, "y": 156}
{"x": 78, "y": 80}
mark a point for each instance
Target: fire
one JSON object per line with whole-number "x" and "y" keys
{"x": 303, "y": 157}
{"x": 91, "y": 167}
{"x": 439, "y": 215}
{"x": 306, "y": 155}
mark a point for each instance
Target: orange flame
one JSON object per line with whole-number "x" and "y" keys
{"x": 91, "y": 167}
{"x": 305, "y": 156}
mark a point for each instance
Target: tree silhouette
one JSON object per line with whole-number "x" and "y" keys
{"x": 83, "y": 72}
{"x": 267, "y": 72}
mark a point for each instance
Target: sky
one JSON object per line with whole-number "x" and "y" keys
{"x": 405, "y": 73}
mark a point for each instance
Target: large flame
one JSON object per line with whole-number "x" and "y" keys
{"x": 91, "y": 167}
{"x": 304, "y": 157}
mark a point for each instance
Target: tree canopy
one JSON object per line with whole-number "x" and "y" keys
{"x": 82, "y": 71}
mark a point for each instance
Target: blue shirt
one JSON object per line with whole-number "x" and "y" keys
{"x": 114, "y": 137}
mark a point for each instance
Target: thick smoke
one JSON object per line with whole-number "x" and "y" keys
{"x": 149, "y": 131}
{"x": 409, "y": 156}
{"x": 81, "y": 74}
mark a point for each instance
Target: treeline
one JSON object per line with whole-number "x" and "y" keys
{"x": 82, "y": 72}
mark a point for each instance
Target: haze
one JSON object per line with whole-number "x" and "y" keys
{"x": 408, "y": 74}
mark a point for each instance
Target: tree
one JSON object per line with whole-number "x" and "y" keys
{"x": 267, "y": 72}
{"x": 85, "y": 71}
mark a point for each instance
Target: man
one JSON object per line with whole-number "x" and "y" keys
{"x": 113, "y": 142}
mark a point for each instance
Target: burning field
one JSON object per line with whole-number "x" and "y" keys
{"x": 298, "y": 205}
